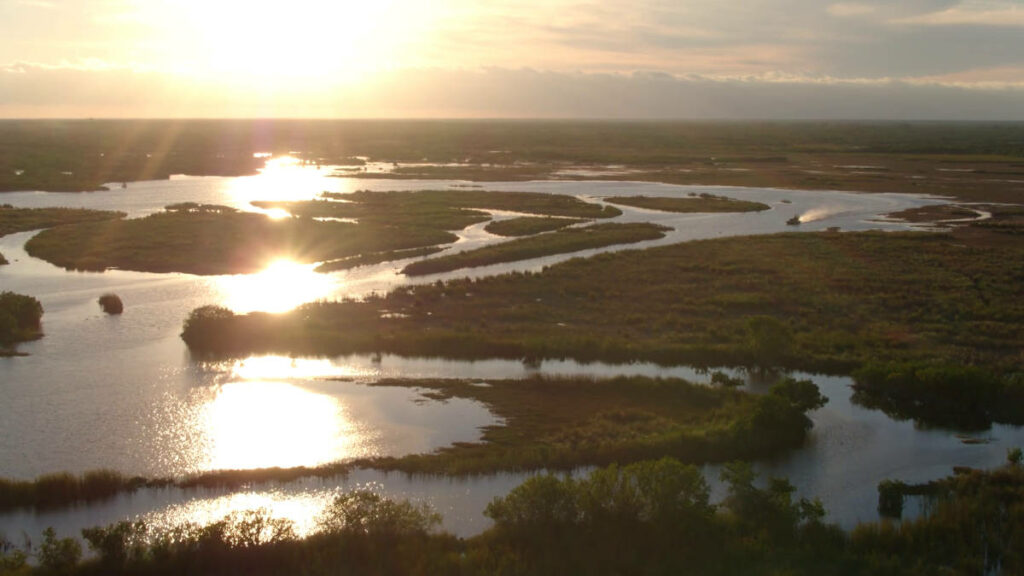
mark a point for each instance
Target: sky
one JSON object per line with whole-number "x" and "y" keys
{"x": 687, "y": 59}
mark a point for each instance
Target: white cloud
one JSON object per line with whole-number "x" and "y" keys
{"x": 972, "y": 13}
{"x": 498, "y": 92}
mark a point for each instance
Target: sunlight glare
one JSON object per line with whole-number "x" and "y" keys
{"x": 261, "y": 424}
{"x": 302, "y": 510}
{"x": 280, "y": 287}
{"x": 315, "y": 41}
{"x": 285, "y": 368}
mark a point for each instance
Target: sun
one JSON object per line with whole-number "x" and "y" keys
{"x": 301, "y": 38}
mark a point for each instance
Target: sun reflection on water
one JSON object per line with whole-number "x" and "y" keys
{"x": 302, "y": 509}
{"x": 282, "y": 178}
{"x": 281, "y": 286}
{"x": 283, "y": 368}
{"x": 261, "y": 424}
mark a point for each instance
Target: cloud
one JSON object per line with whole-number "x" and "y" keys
{"x": 1001, "y": 14}
{"x": 850, "y": 9}
{"x": 27, "y": 90}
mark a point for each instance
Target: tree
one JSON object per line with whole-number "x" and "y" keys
{"x": 58, "y": 555}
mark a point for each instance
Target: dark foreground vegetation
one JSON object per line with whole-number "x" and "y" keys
{"x": 832, "y": 302}
{"x": 564, "y": 241}
{"x": 549, "y": 423}
{"x": 652, "y": 517}
{"x": 933, "y": 157}
{"x": 702, "y": 203}
{"x": 20, "y": 320}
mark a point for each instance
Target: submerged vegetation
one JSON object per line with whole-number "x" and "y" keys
{"x": 654, "y": 517}
{"x": 703, "y": 203}
{"x": 562, "y": 241}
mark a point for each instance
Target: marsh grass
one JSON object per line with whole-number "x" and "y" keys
{"x": 563, "y": 241}
{"x": 528, "y": 225}
{"x": 376, "y": 258}
{"x": 443, "y": 209}
{"x": 24, "y": 219}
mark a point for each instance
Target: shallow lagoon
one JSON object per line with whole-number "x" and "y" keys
{"x": 124, "y": 393}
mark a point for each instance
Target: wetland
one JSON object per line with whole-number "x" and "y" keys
{"x": 878, "y": 340}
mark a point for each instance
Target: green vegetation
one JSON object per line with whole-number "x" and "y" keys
{"x": 975, "y": 525}
{"x": 651, "y": 517}
{"x": 55, "y": 490}
{"x": 445, "y": 209}
{"x": 111, "y": 304}
{"x": 703, "y": 203}
{"x": 563, "y": 241}
{"x": 841, "y": 301}
{"x": 528, "y": 225}
{"x": 938, "y": 392}
{"x": 24, "y": 219}
{"x": 216, "y": 240}
{"x": 376, "y": 258}
{"x": 20, "y": 320}
{"x": 556, "y": 423}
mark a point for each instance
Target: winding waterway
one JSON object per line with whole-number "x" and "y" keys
{"x": 123, "y": 392}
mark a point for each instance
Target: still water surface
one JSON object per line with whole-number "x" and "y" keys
{"x": 123, "y": 393}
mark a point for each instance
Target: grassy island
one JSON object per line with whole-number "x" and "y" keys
{"x": 217, "y": 240}
{"x": 20, "y": 320}
{"x": 564, "y": 241}
{"x": 445, "y": 209}
{"x": 528, "y": 225}
{"x": 24, "y": 219}
{"x": 703, "y": 203}
{"x": 376, "y": 258}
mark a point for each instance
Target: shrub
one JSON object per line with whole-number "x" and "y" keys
{"x": 111, "y": 304}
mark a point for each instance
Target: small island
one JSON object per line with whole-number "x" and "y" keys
{"x": 111, "y": 304}
{"x": 20, "y": 321}
{"x": 703, "y": 203}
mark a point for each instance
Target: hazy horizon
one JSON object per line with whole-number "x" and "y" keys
{"x": 778, "y": 59}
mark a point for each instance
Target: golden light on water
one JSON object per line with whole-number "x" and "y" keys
{"x": 261, "y": 424}
{"x": 281, "y": 286}
{"x": 284, "y": 368}
{"x": 282, "y": 178}
{"x": 302, "y": 510}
